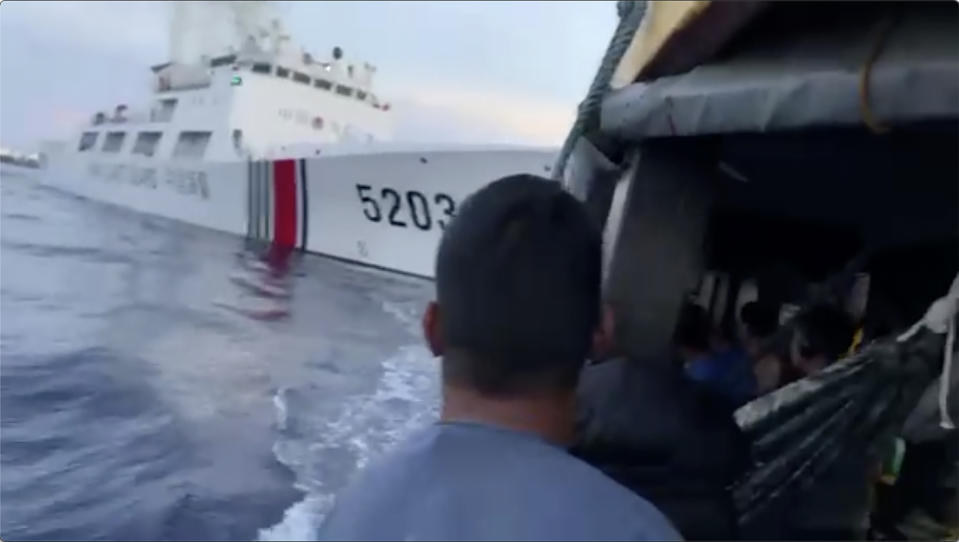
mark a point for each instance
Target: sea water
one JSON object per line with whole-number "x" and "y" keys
{"x": 163, "y": 381}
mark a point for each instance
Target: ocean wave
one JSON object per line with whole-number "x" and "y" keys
{"x": 89, "y": 253}
{"x": 133, "y": 406}
{"x": 300, "y": 521}
{"x": 22, "y": 216}
{"x": 324, "y": 451}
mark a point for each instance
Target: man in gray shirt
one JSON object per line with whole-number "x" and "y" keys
{"x": 518, "y": 285}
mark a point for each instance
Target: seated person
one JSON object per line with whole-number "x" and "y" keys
{"x": 692, "y": 342}
{"x": 738, "y": 382}
{"x": 823, "y": 333}
{"x": 517, "y": 284}
{"x": 643, "y": 422}
{"x": 725, "y": 370}
{"x": 759, "y": 324}
{"x": 836, "y": 506}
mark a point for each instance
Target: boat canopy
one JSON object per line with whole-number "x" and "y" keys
{"x": 727, "y": 138}
{"x": 701, "y": 68}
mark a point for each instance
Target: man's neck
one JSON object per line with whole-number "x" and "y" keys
{"x": 550, "y": 416}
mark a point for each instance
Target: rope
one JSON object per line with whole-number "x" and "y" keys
{"x": 945, "y": 421}
{"x": 631, "y": 13}
{"x": 865, "y": 110}
{"x": 939, "y": 314}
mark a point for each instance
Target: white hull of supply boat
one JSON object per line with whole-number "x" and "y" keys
{"x": 385, "y": 209}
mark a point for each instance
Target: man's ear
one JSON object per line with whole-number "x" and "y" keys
{"x": 432, "y": 329}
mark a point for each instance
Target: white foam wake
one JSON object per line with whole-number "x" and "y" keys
{"x": 300, "y": 521}
{"x": 331, "y": 449}
{"x": 407, "y": 314}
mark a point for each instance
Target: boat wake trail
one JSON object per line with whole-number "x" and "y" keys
{"x": 325, "y": 448}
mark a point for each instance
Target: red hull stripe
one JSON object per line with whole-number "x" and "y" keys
{"x": 284, "y": 202}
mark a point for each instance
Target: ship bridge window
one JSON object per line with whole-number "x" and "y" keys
{"x": 343, "y": 90}
{"x": 323, "y": 84}
{"x": 360, "y": 95}
{"x": 113, "y": 142}
{"x": 146, "y": 143}
{"x": 222, "y": 61}
{"x": 191, "y": 144}
{"x": 282, "y": 72}
{"x": 301, "y": 78}
{"x": 164, "y": 113}
{"x": 261, "y": 67}
{"x": 87, "y": 141}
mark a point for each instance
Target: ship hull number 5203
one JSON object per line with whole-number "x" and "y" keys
{"x": 404, "y": 210}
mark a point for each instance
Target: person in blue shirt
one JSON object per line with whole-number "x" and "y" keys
{"x": 517, "y": 303}
{"x": 656, "y": 431}
{"x": 723, "y": 368}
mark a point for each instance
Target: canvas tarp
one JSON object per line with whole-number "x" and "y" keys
{"x": 780, "y": 80}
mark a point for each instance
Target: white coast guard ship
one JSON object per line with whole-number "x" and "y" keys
{"x": 268, "y": 141}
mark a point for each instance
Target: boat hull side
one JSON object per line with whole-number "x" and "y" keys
{"x": 384, "y": 210}
{"x": 212, "y": 195}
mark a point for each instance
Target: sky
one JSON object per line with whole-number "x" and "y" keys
{"x": 457, "y": 72}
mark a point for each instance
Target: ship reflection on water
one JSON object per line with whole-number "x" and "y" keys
{"x": 263, "y": 275}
